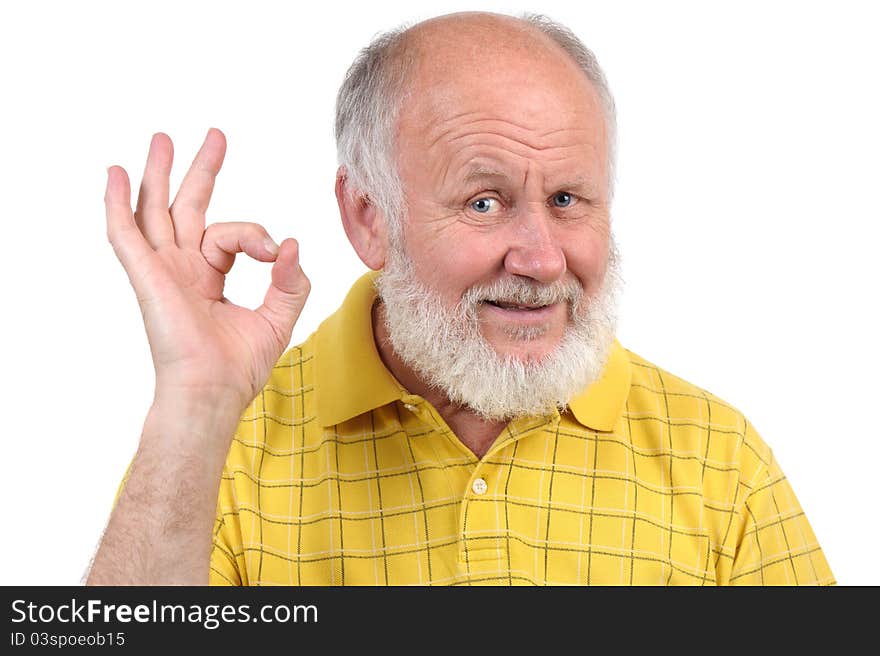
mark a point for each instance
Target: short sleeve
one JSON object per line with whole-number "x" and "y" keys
{"x": 776, "y": 545}
{"x": 121, "y": 485}
{"x": 227, "y": 562}
{"x": 224, "y": 566}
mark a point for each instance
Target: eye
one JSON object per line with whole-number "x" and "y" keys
{"x": 563, "y": 199}
{"x": 483, "y": 205}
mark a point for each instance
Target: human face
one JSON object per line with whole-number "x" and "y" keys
{"x": 504, "y": 170}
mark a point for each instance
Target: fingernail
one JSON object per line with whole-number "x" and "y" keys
{"x": 270, "y": 245}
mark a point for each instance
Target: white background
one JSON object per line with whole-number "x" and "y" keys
{"x": 746, "y": 213}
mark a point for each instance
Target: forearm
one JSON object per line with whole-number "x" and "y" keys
{"x": 160, "y": 530}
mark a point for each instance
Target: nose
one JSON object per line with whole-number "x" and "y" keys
{"x": 534, "y": 252}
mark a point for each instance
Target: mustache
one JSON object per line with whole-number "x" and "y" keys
{"x": 524, "y": 291}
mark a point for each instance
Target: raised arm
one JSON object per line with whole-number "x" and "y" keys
{"x": 211, "y": 358}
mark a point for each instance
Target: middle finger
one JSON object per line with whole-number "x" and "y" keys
{"x": 151, "y": 213}
{"x": 191, "y": 202}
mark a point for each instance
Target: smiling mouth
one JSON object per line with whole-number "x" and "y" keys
{"x": 515, "y": 306}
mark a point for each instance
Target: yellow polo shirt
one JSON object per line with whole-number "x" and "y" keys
{"x": 339, "y": 476}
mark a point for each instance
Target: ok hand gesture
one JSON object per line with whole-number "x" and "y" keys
{"x": 203, "y": 346}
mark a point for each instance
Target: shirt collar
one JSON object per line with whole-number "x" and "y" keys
{"x": 352, "y": 379}
{"x": 599, "y": 406}
{"x": 350, "y": 376}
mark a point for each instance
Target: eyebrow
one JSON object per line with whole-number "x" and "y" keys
{"x": 478, "y": 172}
{"x": 481, "y": 172}
{"x": 581, "y": 184}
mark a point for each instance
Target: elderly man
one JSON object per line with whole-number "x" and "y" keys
{"x": 466, "y": 416}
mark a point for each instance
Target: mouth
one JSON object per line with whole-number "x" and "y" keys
{"x": 515, "y": 306}
{"x": 527, "y": 314}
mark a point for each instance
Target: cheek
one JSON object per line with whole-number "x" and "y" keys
{"x": 456, "y": 262}
{"x": 588, "y": 262}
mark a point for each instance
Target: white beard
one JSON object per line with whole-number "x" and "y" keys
{"x": 446, "y": 349}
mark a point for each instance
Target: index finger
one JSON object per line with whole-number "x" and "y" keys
{"x": 191, "y": 202}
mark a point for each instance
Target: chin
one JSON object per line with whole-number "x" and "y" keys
{"x": 525, "y": 348}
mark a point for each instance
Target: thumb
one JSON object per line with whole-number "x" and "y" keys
{"x": 287, "y": 294}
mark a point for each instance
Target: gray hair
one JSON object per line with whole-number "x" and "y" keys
{"x": 370, "y": 98}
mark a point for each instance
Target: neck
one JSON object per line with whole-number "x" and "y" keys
{"x": 476, "y": 433}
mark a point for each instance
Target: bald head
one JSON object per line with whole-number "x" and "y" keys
{"x": 475, "y": 39}
{"x": 486, "y": 54}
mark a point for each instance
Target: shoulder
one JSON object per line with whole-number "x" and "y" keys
{"x": 294, "y": 368}
{"x": 284, "y": 404}
{"x": 692, "y": 418}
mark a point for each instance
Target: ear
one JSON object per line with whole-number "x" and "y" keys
{"x": 364, "y": 224}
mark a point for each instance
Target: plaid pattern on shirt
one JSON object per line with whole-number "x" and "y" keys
{"x": 338, "y": 476}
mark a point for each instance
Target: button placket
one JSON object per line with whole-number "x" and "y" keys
{"x": 480, "y": 544}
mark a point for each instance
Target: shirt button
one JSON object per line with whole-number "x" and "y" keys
{"x": 410, "y": 407}
{"x": 479, "y": 486}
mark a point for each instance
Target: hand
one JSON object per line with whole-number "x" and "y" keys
{"x": 203, "y": 346}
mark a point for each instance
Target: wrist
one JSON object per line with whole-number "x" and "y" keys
{"x": 216, "y": 404}
{"x": 191, "y": 426}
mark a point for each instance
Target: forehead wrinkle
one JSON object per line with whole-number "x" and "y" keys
{"x": 488, "y": 168}
{"x": 505, "y": 160}
{"x": 465, "y": 129}
{"x": 566, "y": 159}
{"x": 548, "y": 133}
{"x": 437, "y": 124}
{"x": 523, "y": 144}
